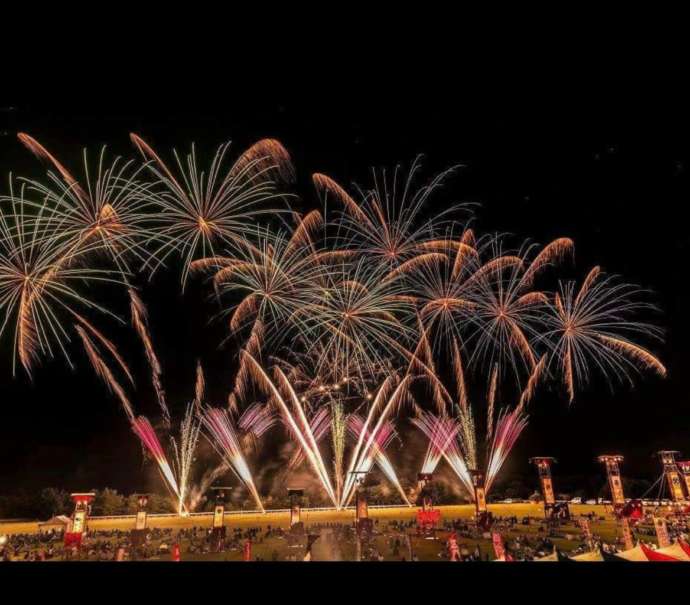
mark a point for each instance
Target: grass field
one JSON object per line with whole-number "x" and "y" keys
{"x": 281, "y": 519}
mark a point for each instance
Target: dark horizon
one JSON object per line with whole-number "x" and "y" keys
{"x": 615, "y": 180}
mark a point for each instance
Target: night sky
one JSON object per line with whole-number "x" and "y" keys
{"x": 615, "y": 178}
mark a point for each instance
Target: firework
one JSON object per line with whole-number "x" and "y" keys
{"x": 389, "y": 398}
{"x": 200, "y": 210}
{"x": 140, "y": 323}
{"x": 143, "y": 429}
{"x": 593, "y": 326}
{"x": 294, "y": 418}
{"x": 103, "y": 371}
{"x": 112, "y": 208}
{"x": 184, "y": 453}
{"x": 386, "y": 226}
{"x": 39, "y": 274}
{"x": 224, "y": 439}
{"x": 362, "y": 322}
{"x": 378, "y": 453}
{"x": 277, "y": 280}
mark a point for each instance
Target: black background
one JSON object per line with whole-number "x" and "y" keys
{"x": 611, "y": 174}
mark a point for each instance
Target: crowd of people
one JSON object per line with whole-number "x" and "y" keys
{"x": 524, "y": 539}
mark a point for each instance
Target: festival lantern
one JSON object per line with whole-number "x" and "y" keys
{"x": 614, "y": 477}
{"x": 684, "y": 467}
{"x": 139, "y": 532}
{"x": 77, "y": 527}
{"x": 673, "y": 480}
{"x": 295, "y": 495}
{"x": 543, "y": 464}
{"x": 218, "y": 529}
{"x": 427, "y": 515}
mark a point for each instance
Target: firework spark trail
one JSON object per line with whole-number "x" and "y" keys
{"x": 593, "y": 327}
{"x": 225, "y": 441}
{"x": 508, "y": 428}
{"x": 298, "y": 426}
{"x": 320, "y": 425}
{"x": 140, "y": 323}
{"x": 103, "y": 371}
{"x": 199, "y": 386}
{"x": 257, "y": 419}
{"x": 440, "y": 431}
{"x": 184, "y": 454}
{"x": 491, "y": 399}
{"x": 199, "y": 491}
{"x": 143, "y": 429}
{"x": 378, "y": 454}
{"x": 338, "y": 428}
{"x": 367, "y": 437}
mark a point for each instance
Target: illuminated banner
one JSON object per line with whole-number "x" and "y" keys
{"x": 627, "y": 534}
{"x": 295, "y": 514}
{"x": 480, "y": 494}
{"x": 547, "y": 489}
{"x": 684, "y": 467}
{"x": 499, "y": 548}
{"x": 362, "y": 507}
{"x": 614, "y": 477}
{"x": 675, "y": 485}
{"x": 218, "y": 513}
{"x": 543, "y": 465}
{"x": 79, "y": 522}
{"x": 661, "y": 532}
{"x": 141, "y": 520}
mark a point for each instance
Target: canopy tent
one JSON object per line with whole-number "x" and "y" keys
{"x": 634, "y": 554}
{"x": 676, "y": 551}
{"x": 552, "y": 557}
{"x": 657, "y": 555}
{"x": 593, "y": 555}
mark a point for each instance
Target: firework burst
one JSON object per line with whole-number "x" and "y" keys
{"x": 199, "y": 210}
{"x": 41, "y": 275}
{"x": 593, "y": 327}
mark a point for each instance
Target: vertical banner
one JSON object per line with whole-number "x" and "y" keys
{"x": 547, "y": 489}
{"x": 247, "y": 550}
{"x": 586, "y": 531}
{"x": 481, "y": 499}
{"x": 218, "y": 514}
{"x": 684, "y": 467}
{"x": 362, "y": 507}
{"x": 673, "y": 480}
{"x": 614, "y": 478}
{"x": 627, "y": 534}
{"x": 295, "y": 514}
{"x": 140, "y": 523}
{"x": 176, "y": 553}
{"x": 499, "y": 547}
{"x": 661, "y": 532}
